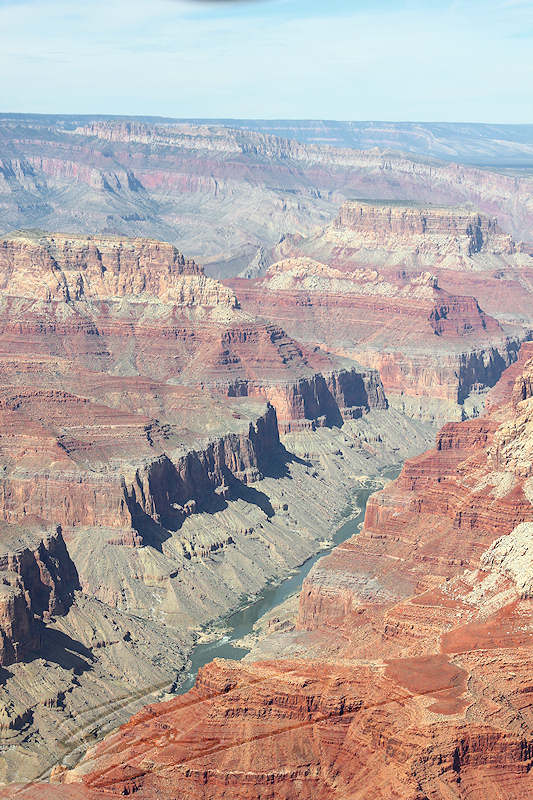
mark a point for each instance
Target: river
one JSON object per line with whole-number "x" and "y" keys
{"x": 239, "y": 623}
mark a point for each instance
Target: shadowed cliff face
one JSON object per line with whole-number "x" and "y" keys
{"x": 133, "y": 386}
{"x": 410, "y": 673}
{"x": 138, "y": 307}
{"x": 38, "y": 581}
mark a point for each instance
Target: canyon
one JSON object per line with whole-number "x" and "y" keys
{"x": 144, "y": 486}
{"x": 407, "y": 669}
{"x": 175, "y": 438}
{"x": 385, "y": 284}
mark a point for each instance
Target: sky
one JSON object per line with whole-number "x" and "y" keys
{"x": 436, "y": 60}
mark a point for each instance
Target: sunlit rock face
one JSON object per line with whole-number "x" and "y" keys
{"x": 431, "y": 347}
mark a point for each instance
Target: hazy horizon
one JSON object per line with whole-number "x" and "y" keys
{"x": 455, "y": 62}
{"x": 235, "y": 118}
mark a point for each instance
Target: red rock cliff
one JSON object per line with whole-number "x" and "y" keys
{"x": 430, "y": 347}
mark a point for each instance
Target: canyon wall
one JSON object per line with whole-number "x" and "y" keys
{"x": 391, "y": 226}
{"x": 141, "y": 403}
{"x": 431, "y": 348}
{"x": 95, "y": 296}
{"x": 404, "y": 235}
{"x": 38, "y": 580}
{"x": 467, "y": 251}
{"x": 324, "y": 399}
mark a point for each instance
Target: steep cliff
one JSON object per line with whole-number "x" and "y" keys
{"x": 138, "y": 306}
{"x": 58, "y": 266}
{"x": 89, "y": 464}
{"x": 429, "y": 232}
{"x": 431, "y": 348}
{"x": 38, "y": 580}
{"x": 467, "y": 251}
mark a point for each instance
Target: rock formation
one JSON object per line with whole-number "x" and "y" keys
{"x": 107, "y": 349}
{"x": 38, "y": 580}
{"x": 144, "y": 486}
{"x": 432, "y": 233}
{"x": 93, "y": 294}
{"x": 410, "y": 673}
{"x": 467, "y": 251}
{"x": 431, "y": 348}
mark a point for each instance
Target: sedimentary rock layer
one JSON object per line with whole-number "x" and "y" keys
{"x": 467, "y": 251}
{"x": 135, "y": 307}
{"x": 430, "y": 347}
{"x": 126, "y": 636}
{"x": 133, "y": 389}
{"x": 434, "y": 232}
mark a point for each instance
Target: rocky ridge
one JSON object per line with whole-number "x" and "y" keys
{"x": 98, "y": 294}
{"x": 467, "y": 251}
{"x": 59, "y": 266}
{"x": 431, "y": 348}
{"x": 494, "y": 145}
{"x": 409, "y": 236}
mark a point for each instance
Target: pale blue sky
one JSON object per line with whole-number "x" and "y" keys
{"x": 343, "y": 59}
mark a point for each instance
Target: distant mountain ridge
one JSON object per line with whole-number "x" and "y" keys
{"x": 475, "y": 143}
{"x": 478, "y": 144}
{"x": 225, "y": 194}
